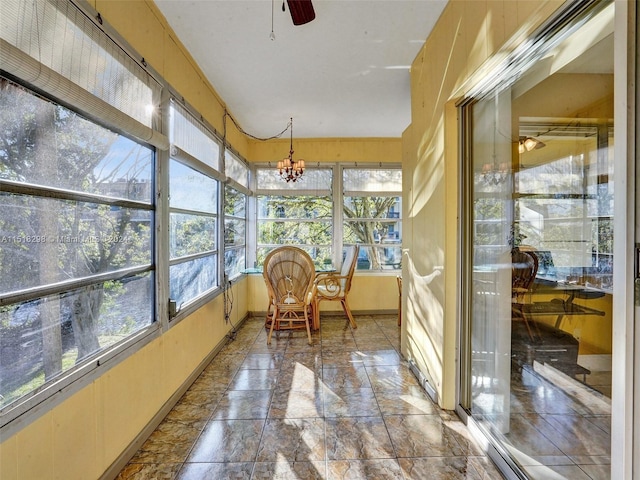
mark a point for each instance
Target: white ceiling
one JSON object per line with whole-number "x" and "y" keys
{"x": 345, "y": 74}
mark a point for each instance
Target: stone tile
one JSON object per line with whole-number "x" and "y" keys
{"x": 348, "y": 407}
{"x": 290, "y": 470}
{"x": 390, "y": 377}
{"x": 303, "y": 347}
{"x": 310, "y": 359}
{"x": 384, "y": 469}
{"x": 350, "y": 402}
{"x": 196, "y": 405}
{"x": 228, "y": 441}
{"x": 146, "y": 471}
{"x": 296, "y": 404}
{"x": 422, "y": 436}
{"x": 353, "y": 376}
{"x": 591, "y": 459}
{"x": 387, "y": 356}
{"x": 228, "y": 471}
{"x": 341, "y": 358}
{"x": 243, "y": 405}
{"x": 277, "y": 345}
{"x": 299, "y": 377}
{"x": 441, "y": 468}
{"x": 169, "y": 443}
{"x": 406, "y": 400}
{"x": 486, "y": 469}
{"x": 261, "y": 379}
{"x": 214, "y": 380}
{"x": 337, "y": 344}
{"x": 292, "y": 439}
{"x": 528, "y": 440}
{"x": 602, "y": 421}
{"x": 353, "y": 438}
{"x": 262, "y": 361}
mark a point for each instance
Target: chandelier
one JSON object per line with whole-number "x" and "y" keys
{"x": 289, "y": 169}
{"x": 495, "y": 173}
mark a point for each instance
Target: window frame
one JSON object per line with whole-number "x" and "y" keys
{"x": 337, "y": 196}
{"x": 243, "y": 219}
{"x": 206, "y": 168}
{"x": 54, "y": 391}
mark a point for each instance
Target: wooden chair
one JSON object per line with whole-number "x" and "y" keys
{"x": 334, "y": 286}
{"x": 289, "y": 274}
{"x": 524, "y": 266}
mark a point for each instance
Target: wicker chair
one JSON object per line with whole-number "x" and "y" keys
{"x": 289, "y": 274}
{"x": 335, "y": 287}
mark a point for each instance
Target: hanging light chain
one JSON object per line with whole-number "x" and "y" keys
{"x": 289, "y": 169}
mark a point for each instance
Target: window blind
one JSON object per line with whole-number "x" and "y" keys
{"x": 56, "y": 48}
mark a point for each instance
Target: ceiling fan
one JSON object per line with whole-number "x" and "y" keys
{"x": 301, "y": 11}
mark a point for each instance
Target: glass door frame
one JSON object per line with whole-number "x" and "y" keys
{"x": 625, "y": 421}
{"x": 625, "y": 424}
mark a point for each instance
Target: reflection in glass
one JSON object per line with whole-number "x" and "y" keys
{"x": 191, "y": 234}
{"x": 189, "y": 279}
{"x": 540, "y": 305}
{"x": 191, "y": 190}
{"x": 234, "y": 232}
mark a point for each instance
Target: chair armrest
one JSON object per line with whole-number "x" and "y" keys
{"x": 330, "y": 285}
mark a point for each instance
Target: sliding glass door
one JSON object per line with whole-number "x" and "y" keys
{"x": 538, "y": 252}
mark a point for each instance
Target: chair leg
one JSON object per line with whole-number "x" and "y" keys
{"x": 273, "y": 322}
{"x": 269, "y": 317}
{"x": 347, "y": 310}
{"x": 316, "y": 314}
{"x": 307, "y": 321}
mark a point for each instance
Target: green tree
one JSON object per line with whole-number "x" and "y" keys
{"x": 47, "y": 145}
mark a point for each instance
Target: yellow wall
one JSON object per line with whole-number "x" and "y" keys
{"x": 459, "y": 49}
{"x": 147, "y": 31}
{"x": 84, "y": 435}
{"x": 368, "y": 293}
{"x": 385, "y": 150}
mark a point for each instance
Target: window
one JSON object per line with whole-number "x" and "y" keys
{"x": 299, "y": 213}
{"x": 563, "y": 201}
{"x": 193, "y": 209}
{"x": 373, "y": 220}
{"x": 235, "y": 231}
{"x": 236, "y": 170}
{"x": 235, "y": 214}
{"x": 305, "y": 213}
{"x": 76, "y": 235}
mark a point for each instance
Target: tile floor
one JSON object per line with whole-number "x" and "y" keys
{"x": 556, "y": 433}
{"x": 346, "y": 407}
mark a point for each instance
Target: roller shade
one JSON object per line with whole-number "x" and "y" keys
{"x": 54, "y": 47}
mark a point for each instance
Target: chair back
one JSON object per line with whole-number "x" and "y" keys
{"x": 524, "y": 267}
{"x": 289, "y": 274}
{"x": 348, "y": 267}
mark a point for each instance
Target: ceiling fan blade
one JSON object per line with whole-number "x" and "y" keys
{"x": 301, "y": 11}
